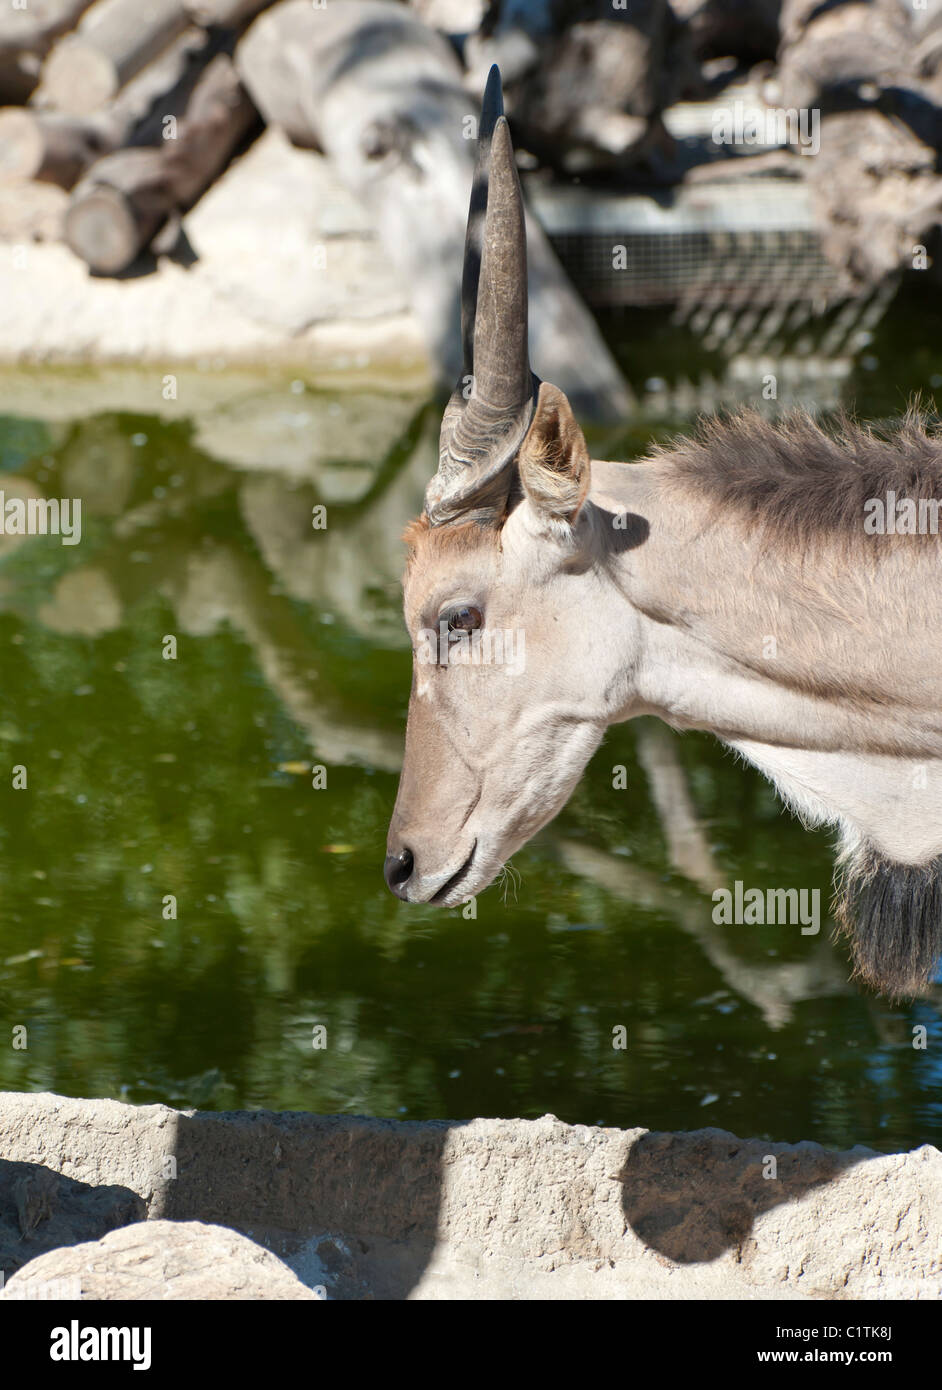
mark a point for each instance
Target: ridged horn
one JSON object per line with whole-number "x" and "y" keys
{"x": 483, "y": 427}
{"x": 492, "y": 108}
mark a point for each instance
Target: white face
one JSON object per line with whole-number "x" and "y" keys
{"x": 515, "y": 678}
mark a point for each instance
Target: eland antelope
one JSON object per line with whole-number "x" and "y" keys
{"x": 730, "y": 582}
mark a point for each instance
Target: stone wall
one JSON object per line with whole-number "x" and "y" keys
{"x": 365, "y": 1208}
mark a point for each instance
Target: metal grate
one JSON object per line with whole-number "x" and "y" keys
{"x": 748, "y": 242}
{"x": 718, "y": 267}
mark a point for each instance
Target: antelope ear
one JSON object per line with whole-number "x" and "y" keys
{"x": 553, "y": 460}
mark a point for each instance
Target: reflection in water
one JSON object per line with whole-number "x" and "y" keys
{"x": 181, "y": 906}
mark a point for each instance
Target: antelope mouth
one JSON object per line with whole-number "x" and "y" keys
{"x": 455, "y": 879}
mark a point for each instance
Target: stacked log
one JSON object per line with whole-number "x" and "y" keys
{"x": 48, "y": 146}
{"x": 113, "y": 42}
{"x": 877, "y": 193}
{"x": 382, "y": 95}
{"x": 137, "y": 107}
{"x": 388, "y": 91}
{"x": 863, "y": 68}
{"x": 588, "y": 94}
{"x": 56, "y": 147}
{"x": 126, "y": 198}
{"x": 827, "y": 55}
{"x": 26, "y": 36}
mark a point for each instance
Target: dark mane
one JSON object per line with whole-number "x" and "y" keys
{"x": 793, "y": 479}
{"x": 891, "y": 914}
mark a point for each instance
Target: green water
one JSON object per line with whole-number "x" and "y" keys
{"x": 149, "y": 777}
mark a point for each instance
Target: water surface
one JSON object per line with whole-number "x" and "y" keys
{"x": 191, "y": 777}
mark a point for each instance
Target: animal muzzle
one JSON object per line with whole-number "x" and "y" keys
{"x": 408, "y": 881}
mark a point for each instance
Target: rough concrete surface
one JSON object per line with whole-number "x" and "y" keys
{"x": 41, "y": 1210}
{"x": 278, "y": 266}
{"x": 160, "y": 1260}
{"x": 516, "y": 1209}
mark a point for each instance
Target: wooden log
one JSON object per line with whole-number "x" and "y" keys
{"x": 36, "y": 25}
{"x": 26, "y": 36}
{"x": 126, "y": 198}
{"x": 115, "y": 40}
{"x": 117, "y": 208}
{"x": 383, "y": 96}
{"x": 876, "y": 190}
{"x": 30, "y": 212}
{"x": 864, "y": 64}
{"x": 596, "y": 89}
{"x": 162, "y": 88}
{"x": 927, "y": 60}
{"x": 58, "y": 148}
{"x": 218, "y": 117}
{"x": 829, "y": 58}
{"x": 48, "y": 146}
{"x": 586, "y": 84}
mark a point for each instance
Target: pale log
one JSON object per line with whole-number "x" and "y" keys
{"x": 115, "y": 40}
{"x": 48, "y": 146}
{"x": 26, "y": 36}
{"x": 117, "y": 208}
{"x": 125, "y": 198}
{"x": 58, "y": 148}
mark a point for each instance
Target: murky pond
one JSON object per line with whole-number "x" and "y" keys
{"x": 181, "y": 906}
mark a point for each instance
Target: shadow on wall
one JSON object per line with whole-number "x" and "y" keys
{"x": 693, "y": 1197}
{"x": 375, "y": 1208}
{"x": 41, "y": 1210}
{"x": 379, "y": 1195}
{"x": 350, "y": 1203}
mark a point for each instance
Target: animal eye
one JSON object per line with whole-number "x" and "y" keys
{"x": 465, "y": 619}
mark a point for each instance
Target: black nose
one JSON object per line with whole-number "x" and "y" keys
{"x": 397, "y": 871}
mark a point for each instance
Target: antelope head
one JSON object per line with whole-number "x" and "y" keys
{"x": 515, "y": 678}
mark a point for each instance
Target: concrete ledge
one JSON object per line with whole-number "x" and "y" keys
{"x": 283, "y": 271}
{"x": 510, "y": 1208}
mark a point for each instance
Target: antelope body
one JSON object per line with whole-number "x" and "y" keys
{"x": 726, "y": 583}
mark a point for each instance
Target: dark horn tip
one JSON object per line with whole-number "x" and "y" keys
{"x": 492, "y": 103}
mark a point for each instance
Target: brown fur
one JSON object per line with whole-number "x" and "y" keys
{"x": 795, "y": 481}
{"x": 426, "y": 541}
